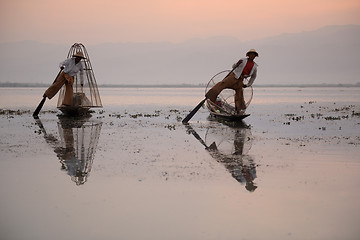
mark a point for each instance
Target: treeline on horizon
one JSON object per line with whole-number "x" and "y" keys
{"x": 34, "y": 85}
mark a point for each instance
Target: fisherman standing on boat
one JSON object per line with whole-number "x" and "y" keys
{"x": 70, "y": 67}
{"x": 244, "y": 68}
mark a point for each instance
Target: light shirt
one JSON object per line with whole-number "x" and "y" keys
{"x": 239, "y": 70}
{"x": 70, "y": 67}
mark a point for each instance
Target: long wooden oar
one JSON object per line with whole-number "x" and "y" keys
{"x": 192, "y": 113}
{"x": 41, "y": 104}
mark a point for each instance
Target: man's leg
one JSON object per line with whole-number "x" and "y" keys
{"x": 55, "y": 87}
{"x": 69, "y": 92}
{"x": 239, "y": 96}
{"x": 228, "y": 82}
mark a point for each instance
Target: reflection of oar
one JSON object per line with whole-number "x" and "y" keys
{"x": 192, "y": 113}
{"x": 39, "y": 123}
{"x": 50, "y": 139}
{"x": 41, "y": 104}
{"x": 193, "y": 132}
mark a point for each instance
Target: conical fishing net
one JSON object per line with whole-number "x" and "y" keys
{"x": 225, "y": 102}
{"x": 86, "y": 93}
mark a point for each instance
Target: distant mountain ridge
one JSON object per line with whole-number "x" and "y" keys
{"x": 329, "y": 55}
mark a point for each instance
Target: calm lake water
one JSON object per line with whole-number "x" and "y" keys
{"x": 133, "y": 171}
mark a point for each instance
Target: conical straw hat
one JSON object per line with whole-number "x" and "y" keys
{"x": 79, "y": 54}
{"x": 252, "y": 51}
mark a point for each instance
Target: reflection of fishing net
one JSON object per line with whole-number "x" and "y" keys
{"x": 225, "y": 101}
{"x": 229, "y": 141}
{"x": 86, "y": 93}
{"x": 79, "y": 145}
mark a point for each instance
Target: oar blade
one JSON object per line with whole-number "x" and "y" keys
{"x": 39, "y": 107}
{"x": 192, "y": 113}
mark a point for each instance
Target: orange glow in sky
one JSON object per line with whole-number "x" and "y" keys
{"x": 98, "y": 21}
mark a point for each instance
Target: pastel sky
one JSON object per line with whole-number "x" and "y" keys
{"x": 99, "y": 21}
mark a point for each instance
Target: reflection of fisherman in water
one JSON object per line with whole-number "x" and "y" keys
{"x": 229, "y": 146}
{"x": 76, "y": 148}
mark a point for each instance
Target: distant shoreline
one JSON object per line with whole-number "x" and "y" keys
{"x": 42, "y": 85}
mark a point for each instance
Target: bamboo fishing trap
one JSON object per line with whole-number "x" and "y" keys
{"x": 225, "y": 104}
{"x": 86, "y": 93}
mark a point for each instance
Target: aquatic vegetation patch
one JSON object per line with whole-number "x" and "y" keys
{"x": 355, "y": 114}
{"x": 293, "y": 117}
{"x": 345, "y": 108}
{"x": 39, "y": 132}
{"x": 13, "y": 112}
{"x": 174, "y": 111}
{"x": 136, "y": 115}
{"x": 317, "y": 115}
{"x": 116, "y": 115}
{"x": 170, "y": 127}
{"x": 330, "y": 118}
{"x": 151, "y": 115}
{"x": 344, "y": 113}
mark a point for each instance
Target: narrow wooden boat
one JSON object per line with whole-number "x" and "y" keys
{"x": 225, "y": 111}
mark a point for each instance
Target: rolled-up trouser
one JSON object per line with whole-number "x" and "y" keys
{"x": 232, "y": 83}
{"x": 62, "y": 79}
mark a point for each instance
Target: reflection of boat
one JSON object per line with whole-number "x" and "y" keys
{"x": 235, "y": 140}
{"x": 230, "y": 146}
{"x": 86, "y": 93}
{"x": 224, "y": 107}
{"x": 76, "y": 145}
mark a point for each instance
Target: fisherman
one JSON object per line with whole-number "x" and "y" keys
{"x": 244, "y": 68}
{"x": 70, "y": 67}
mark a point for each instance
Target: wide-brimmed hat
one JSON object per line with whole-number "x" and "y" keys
{"x": 79, "y": 54}
{"x": 252, "y": 51}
